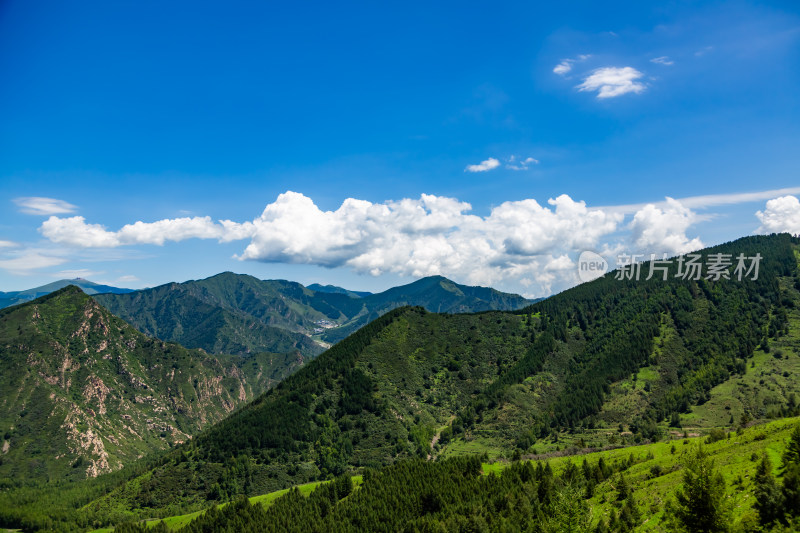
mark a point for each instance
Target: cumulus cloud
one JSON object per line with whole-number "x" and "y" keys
{"x": 483, "y": 166}
{"x": 662, "y": 60}
{"x": 37, "y": 205}
{"x": 513, "y": 163}
{"x": 74, "y": 231}
{"x": 780, "y": 215}
{"x": 518, "y": 243}
{"x": 610, "y": 82}
{"x": 663, "y": 229}
{"x": 412, "y": 237}
{"x": 427, "y": 236}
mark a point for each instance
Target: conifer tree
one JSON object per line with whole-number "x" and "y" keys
{"x": 701, "y": 505}
{"x": 768, "y": 497}
{"x": 791, "y": 475}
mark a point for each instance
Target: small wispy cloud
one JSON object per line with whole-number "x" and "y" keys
{"x": 27, "y": 261}
{"x": 663, "y": 60}
{"x": 38, "y": 205}
{"x": 8, "y": 244}
{"x": 483, "y": 166}
{"x": 77, "y": 273}
{"x": 565, "y": 66}
{"x": 709, "y": 200}
{"x": 513, "y": 163}
{"x": 703, "y": 51}
{"x": 610, "y": 82}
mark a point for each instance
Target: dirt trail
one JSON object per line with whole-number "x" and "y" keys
{"x": 435, "y": 438}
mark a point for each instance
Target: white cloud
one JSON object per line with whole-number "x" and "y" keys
{"x": 610, "y": 82}
{"x": 8, "y": 244}
{"x": 709, "y": 200}
{"x": 74, "y": 231}
{"x": 29, "y": 260}
{"x": 516, "y": 240}
{"x": 518, "y": 243}
{"x": 483, "y": 166}
{"x": 781, "y": 215}
{"x": 36, "y": 205}
{"x": 84, "y": 273}
{"x": 520, "y": 164}
{"x": 430, "y": 235}
{"x": 663, "y": 60}
{"x": 565, "y": 67}
{"x": 656, "y": 230}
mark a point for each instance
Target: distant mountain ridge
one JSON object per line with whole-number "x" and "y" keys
{"x": 334, "y": 289}
{"x": 237, "y": 313}
{"x": 89, "y": 287}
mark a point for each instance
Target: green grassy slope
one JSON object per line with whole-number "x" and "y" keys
{"x": 653, "y": 473}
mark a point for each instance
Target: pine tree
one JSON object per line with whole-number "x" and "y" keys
{"x": 791, "y": 475}
{"x": 701, "y": 505}
{"x": 768, "y": 497}
{"x": 569, "y": 511}
{"x": 792, "y": 453}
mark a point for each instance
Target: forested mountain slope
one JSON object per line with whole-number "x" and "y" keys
{"x": 605, "y": 354}
{"x": 227, "y": 313}
{"x": 82, "y": 392}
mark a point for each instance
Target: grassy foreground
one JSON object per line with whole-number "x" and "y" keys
{"x": 654, "y": 474}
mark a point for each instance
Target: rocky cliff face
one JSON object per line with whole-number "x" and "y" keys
{"x": 82, "y": 392}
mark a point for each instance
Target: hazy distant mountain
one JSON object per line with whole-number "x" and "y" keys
{"x": 18, "y": 297}
{"x": 337, "y": 290}
{"x": 435, "y": 293}
{"x": 234, "y": 313}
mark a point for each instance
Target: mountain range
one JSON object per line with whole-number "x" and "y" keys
{"x": 605, "y": 363}
{"x": 17, "y": 297}
{"x": 107, "y": 394}
{"x": 610, "y": 363}
{"x": 240, "y": 314}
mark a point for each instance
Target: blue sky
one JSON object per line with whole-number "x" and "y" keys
{"x": 490, "y": 143}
